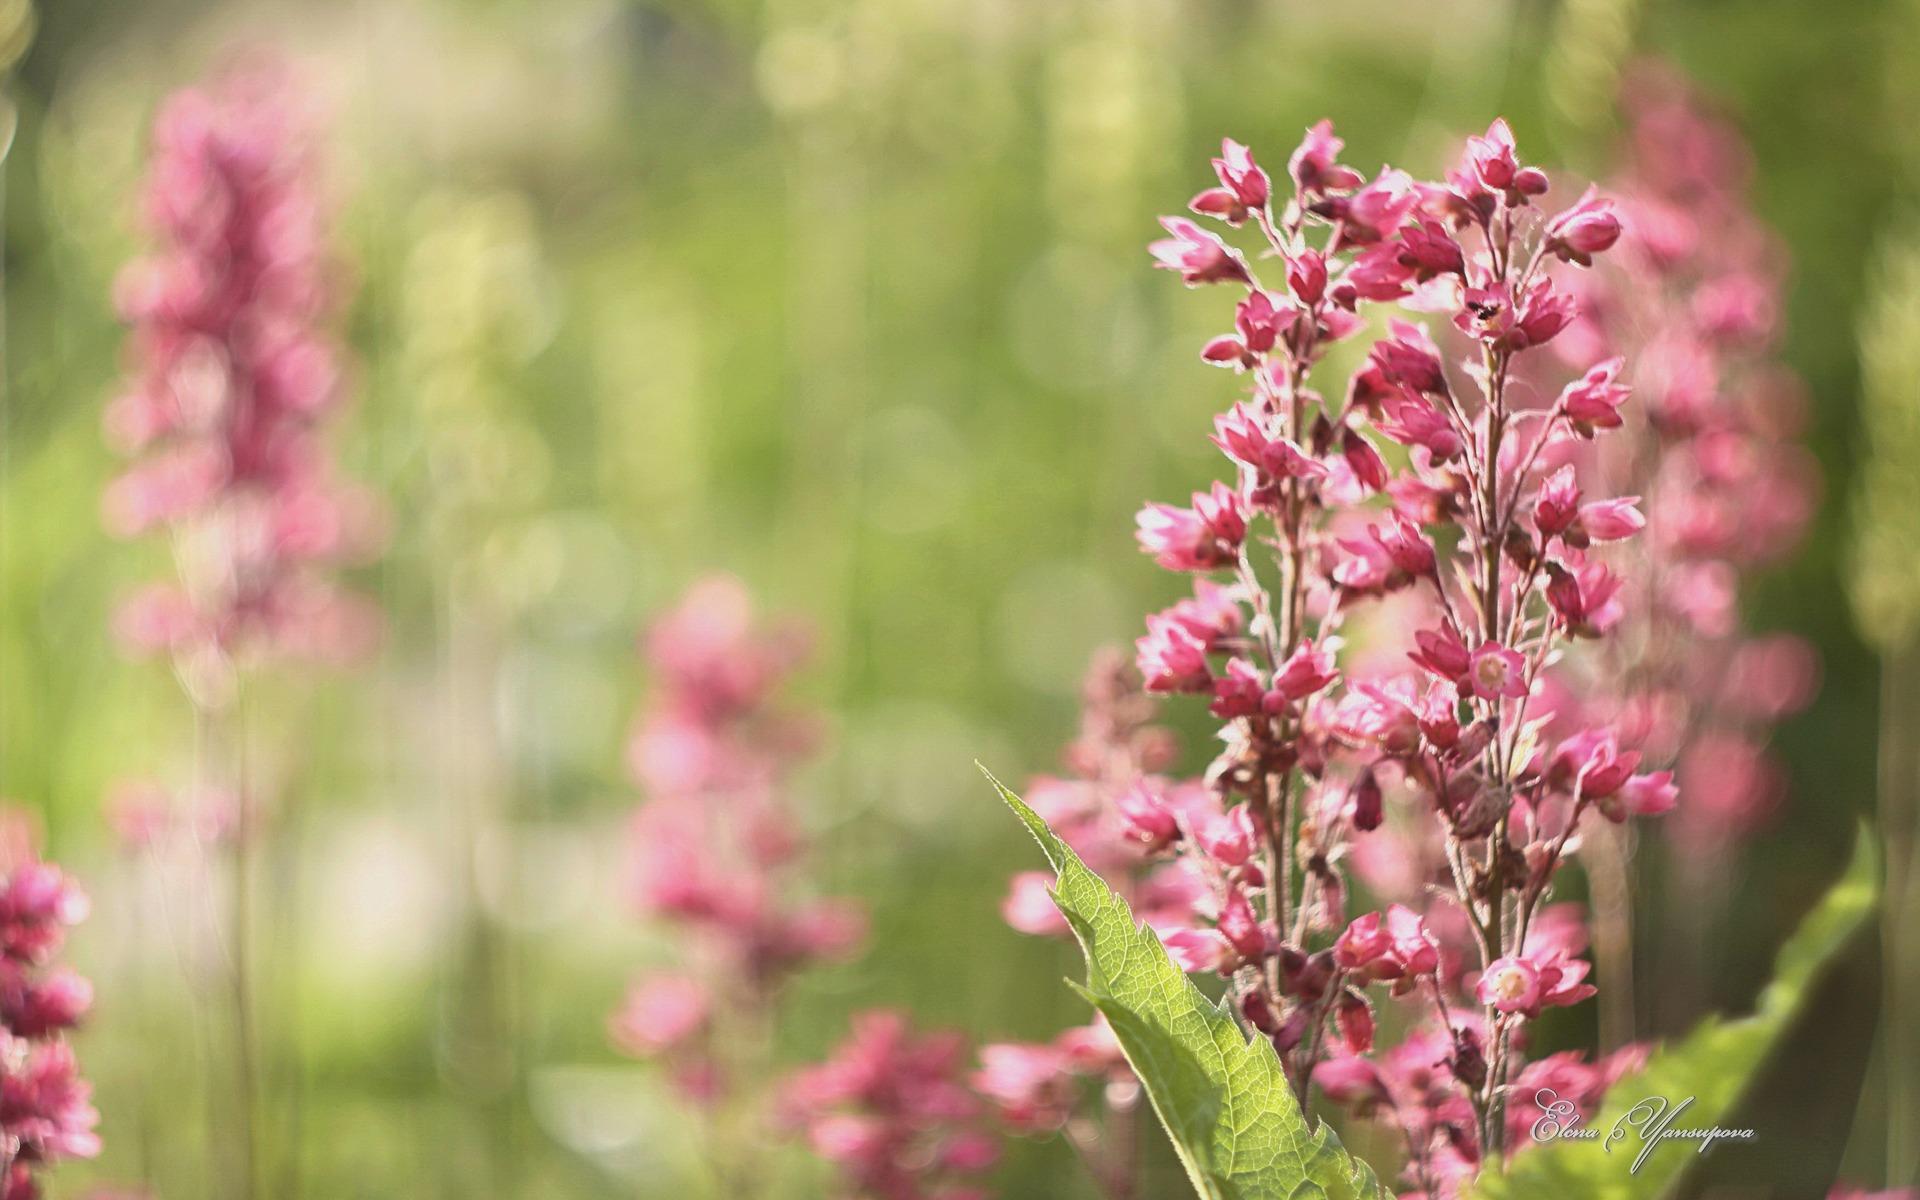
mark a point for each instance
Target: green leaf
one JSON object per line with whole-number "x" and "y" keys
{"x": 1224, "y": 1101}
{"x": 1714, "y": 1065}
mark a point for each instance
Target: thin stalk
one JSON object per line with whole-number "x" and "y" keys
{"x": 245, "y": 1050}
{"x": 1899, "y": 770}
{"x": 1608, "y": 873}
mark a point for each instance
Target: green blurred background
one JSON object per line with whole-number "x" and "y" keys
{"x": 847, "y": 297}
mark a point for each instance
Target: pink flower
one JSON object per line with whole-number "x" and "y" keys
{"x": 1211, "y": 615}
{"x": 1442, "y": 652}
{"x": 1308, "y": 752}
{"x": 1251, "y": 941}
{"x": 1171, "y": 658}
{"x": 1414, "y": 422}
{"x": 1429, "y": 250}
{"x": 33, "y": 1007}
{"x": 1030, "y": 1085}
{"x": 1510, "y": 984}
{"x": 1228, "y": 838}
{"x": 1198, "y": 951}
{"x": 1525, "y": 985}
{"x": 1308, "y": 669}
{"x": 1390, "y": 556}
{"x": 1243, "y": 186}
{"x": 1199, "y": 256}
{"x": 1641, "y": 796}
{"x": 1491, "y": 157}
{"x": 1374, "y": 715}
{"x": 1612, "y": 520}
{"x": 1243, "y": 436}
{"x": 661, "y": 1013}
{"x": 1093, "y": 1050}
{"x": 1410, "y": 359}
{"x": 233, "y": 376}
{"x": 1439, "y": 717}
{"x": 825, "y": 931}
{"x": 1349, "y": 1079}
{"x": 1029, "y": 906}
{"x": 1390, "y": 947}
{"x": 1593, "y": 401}
{"x": 1369, "y": 469}
{"x": 894, "y": 1111}
{"x": 1147, "y": 818}
{"x": 1516, "y": 322}
{"x": 1205, "y": 537}
{"x": 1366, "y": 566}
{"x": 715, "y": 851}
{"x": 1405, "y": 545}
{"x": 1239, "y": 691}
{"x": 1313, "y": 166}
{"x": 1498, "y": 673}
{"x": 1553, "y": 1079}
{"x": 1376, "y": 211}
{"x": 1593, "y": 763}
{"x": 37, "y": 904}
{"x": 1366, "y": 810}
{"x": 1353, "y": 1018}
{"x": 1557, "y": 505}
{"x": 1259, "y": 321}
{"x": 1586, "y": 597}
{"x": 45, "y": 1108}
{"x": 1377, "y": 275}
{"x": 1307, "y": 276}
{"x": 1588, "y": 228}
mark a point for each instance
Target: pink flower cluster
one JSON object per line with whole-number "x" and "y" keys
{"x": 892, "y": 1110}
{"x": 1692, "y": 294}
{"x": 45, "y": 1115}
{"x": 231, "y": 379}
{"x": 1114, "y": 807}
{"x": 715, "y": 847}
{"x": 1119, "y": 811}
{"x": 1381, "y": 584}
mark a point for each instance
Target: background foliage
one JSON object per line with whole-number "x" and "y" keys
{"x": 845, "y": 296}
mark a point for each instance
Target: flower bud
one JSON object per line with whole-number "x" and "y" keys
{"x": 1366, "y": 802}
{"x": 1353, "y": 1017}
{"x": 1259, "y": 1013}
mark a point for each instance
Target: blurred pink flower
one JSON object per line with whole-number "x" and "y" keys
{"x": 232, "y": 380}
{"x": 894, "y": 1112}
{"x": 45, "y": 1113}
{"x": 717, "y": 854}
{"x": 661, "y": 1013}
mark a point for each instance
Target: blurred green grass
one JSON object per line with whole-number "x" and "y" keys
{"x": 845, "y": 296}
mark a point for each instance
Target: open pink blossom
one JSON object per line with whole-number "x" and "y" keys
{"x": 1199, "y": 256}
{"x": 1612, "y": 520}
{"x": 1498, "y": 673}
{"x": 1243, "y": 436}
{"x": 1525, "y": 985}
{"x": 1171, "y": 658}
{"x": 1594, "y": 400}
{"x": 1590, "y": 227}
{"x": 1205, "y": 537}
{"x": 1243, "y": 185}
{"x": 1387, "y": 947}
{"x": 1307, "y": 670}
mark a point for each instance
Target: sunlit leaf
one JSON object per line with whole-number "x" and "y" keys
{"x": 1224, "y": 1101}
{"x": 1713, "y": 1065}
